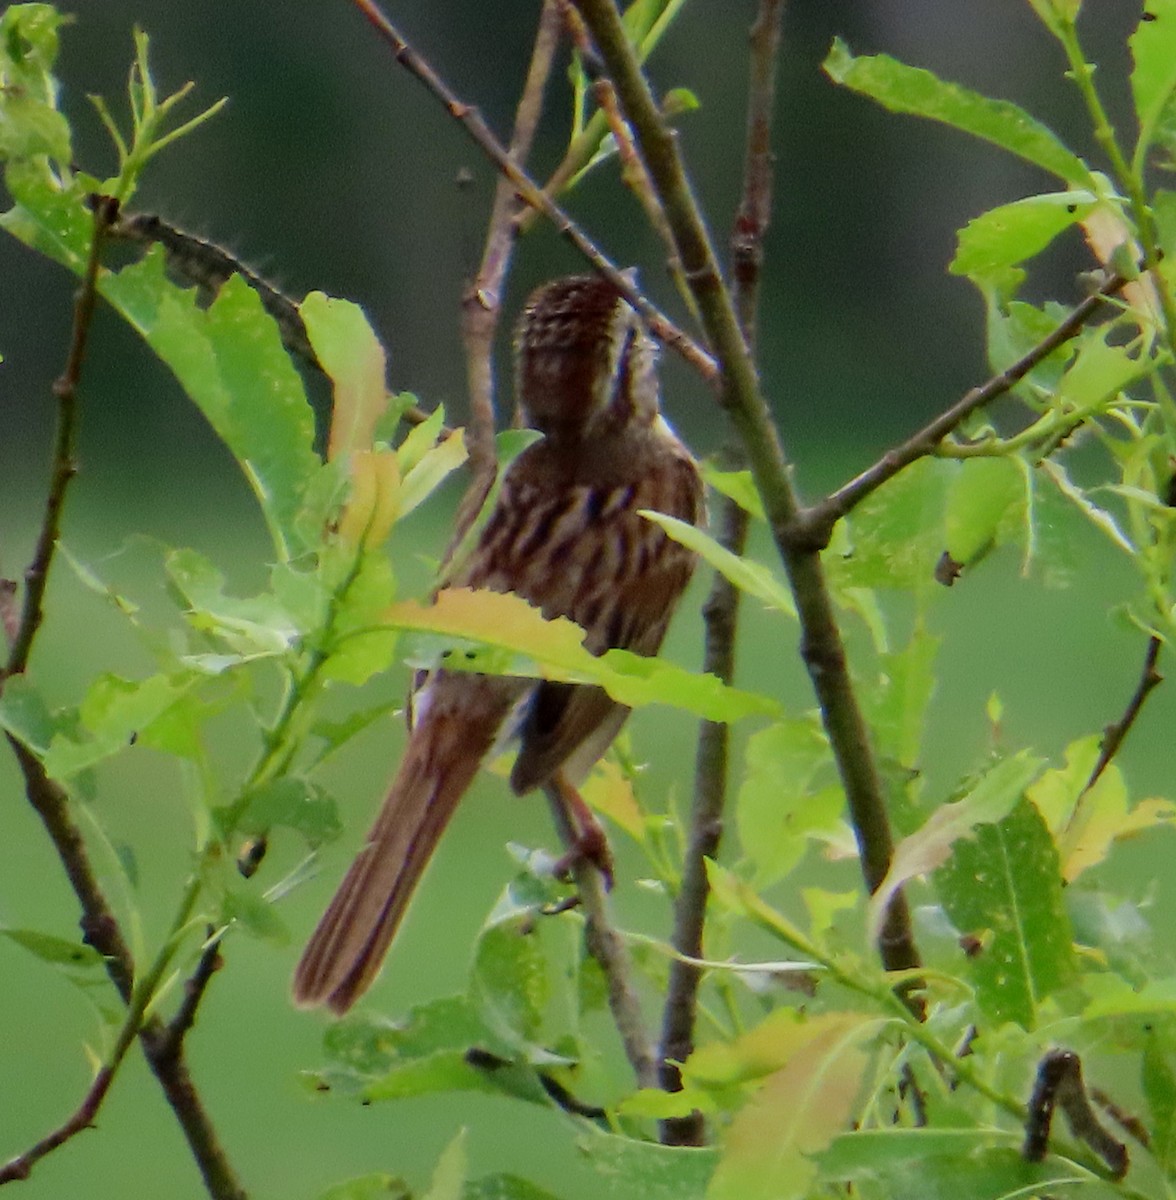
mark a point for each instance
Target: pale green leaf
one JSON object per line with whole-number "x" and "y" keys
{"x": 746, "y": 574}
{"x": 629, "y": 1167}
{"x": 735, "y": 485}
{"x": 450, "y": 1172}
{"x": 431, "y": 470}
{"x": 59, "y": 951}
{"x": 231, "y": 362}
{"x": 380, "y": 1186}
{"x": 905, "y": 89}
{"x": 1153, "y": 77}
{"x": 990, "y": 799}
{"x": 1005, "y": 236}
{"x": 982, "y": 494}
{"x": 779, "y": 809}
{"x": 1099, "y": 517}
{"x": 949, "y": 1164}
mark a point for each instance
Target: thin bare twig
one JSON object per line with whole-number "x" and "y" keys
{"x": 817, "y": 521}
{"x": 481, "y": 306}
{"x": 100, "y": 928}
{"x": 63, "y": 468}
{"x": 472, "y": 122}
{"x": 721, "y": 610}
{"x": 821, "y": 648}
{"x": 1116, "y": 733}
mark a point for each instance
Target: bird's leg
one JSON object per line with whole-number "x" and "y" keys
{"x": 587, "y": 841}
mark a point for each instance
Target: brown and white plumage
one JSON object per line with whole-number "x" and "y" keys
{"x": 566, "y": 535}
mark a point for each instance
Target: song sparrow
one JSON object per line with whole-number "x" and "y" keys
{"x": 565, "y": 534}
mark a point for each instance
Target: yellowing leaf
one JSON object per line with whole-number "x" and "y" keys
{"x": 797, "y": 1112}
{"x": 374, "y": 503}
{"x": 555, "y": 650}
{"x": 430, "y": 470}
{"x": 352, "y": 356}
{"x": 609, "y": 791}
{"x": 1086, "y": 823}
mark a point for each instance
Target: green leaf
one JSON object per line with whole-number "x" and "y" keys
{"x": 1004, "y": 887}
{"x": 25, "y": 715}
{"x": 336, "y": 734}
{"x": 293, "y": 803}
{"x": 629, "y": 1167}
{"x": 990, "y": 799}
{"x": 905, "y": 89}
{"x": 982, "y": 494}
{"x": 505, "y": 1187}
{"x": 735, "y": 485}
{"x": 509, "y": 986}
{"x": 1153, "y": 77}
{"x": 111, "y": 716}
{"x": 59, "y": 951}
{"x": 1159, "y": 1089}
{"x": 1005, "y": 236}
{"x": 231, "y": 362}
{"x": 948, "y": 1164}
{"x": 432, "y": 469}
{"x": 1099, "y": 372}
{"x": 380, "y": 1186}
{"x": 778, "y": 807}
{"x": 894, "y": 538}
{"x": 30, "y": 124}
{"x": 898, "y": 705}
{"x": 746, "y": 574}
{"x": 253, "y": 627}
{"x": 1094, "y": 513}
{"x": 255, "y": 914}
{"x": 1087, "y": 821}
{"x": 362, "y": 644}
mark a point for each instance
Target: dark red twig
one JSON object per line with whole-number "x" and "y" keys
{"x": 472, "y": 122}
{"x": 481, "y": 306}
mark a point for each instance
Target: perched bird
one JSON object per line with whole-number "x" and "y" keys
{"x": 566, "y": 535}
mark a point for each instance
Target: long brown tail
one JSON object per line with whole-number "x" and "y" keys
{"x": 345, "y": 952}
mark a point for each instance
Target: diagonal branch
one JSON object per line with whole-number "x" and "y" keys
{"x": 472, "y": 122}
{"x": 818, "y": 521}
{"x": 821, "y": 646}
{"x": 721, "y": 609}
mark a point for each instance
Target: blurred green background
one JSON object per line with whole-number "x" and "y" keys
{"x": 332, "y": 169}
